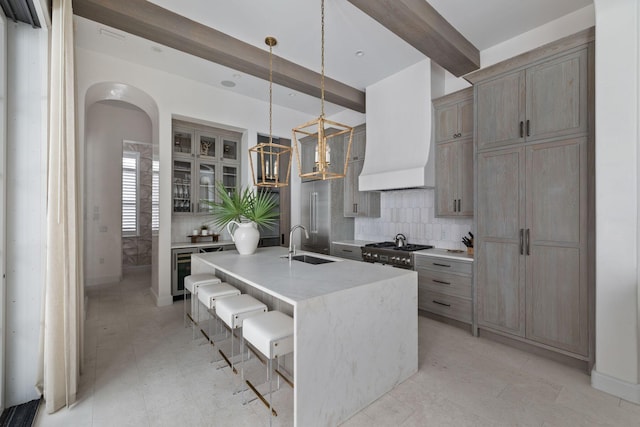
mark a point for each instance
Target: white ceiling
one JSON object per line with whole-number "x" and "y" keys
{"x": 296, "y": 25}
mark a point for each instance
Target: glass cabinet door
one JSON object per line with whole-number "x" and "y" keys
{"x": 230, "y": 149}
{"x": 182, "y": 186}
{"x": 206, "y": 186}
{"x": 230, "y": 178}
{"x": 207, "y": 145}
{"x": 182, "y": 142}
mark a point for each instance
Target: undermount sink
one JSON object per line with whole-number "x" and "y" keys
{"x": 309, "y": 259}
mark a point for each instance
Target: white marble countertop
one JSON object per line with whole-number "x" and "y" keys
{"x": 182, "y": 245}
{"x": 353, "y": 242}
{"x": 443, "y": 253}
{"x": 295, "y": 281}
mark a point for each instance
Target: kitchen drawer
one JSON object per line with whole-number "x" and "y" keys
{"x": 347, "y": 251}
{"x": 446, "y": 283}
{"x": 443, "y": 264}
{"x": 445, "y": 305}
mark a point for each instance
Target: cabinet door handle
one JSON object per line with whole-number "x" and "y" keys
{"x": 441, "y": 303}
{"x": 441, "y": 265}
{"x": 355, "y": 208}
{"x": 459, "y": 208}
{"x": 454, "y": 205}
{"x": 527, "y": 238}
{"x": 521, "y": 129}
{"x": 282, "y": 239}
{"x": 440, "y": 281}
{"x": 521, "y": 241}
{"x": 528, "y": 128}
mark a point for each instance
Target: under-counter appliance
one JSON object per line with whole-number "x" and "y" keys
{"x": 182, "y": 265}
{"x": 389, "y": 253}
{"x": 322, "y": 214}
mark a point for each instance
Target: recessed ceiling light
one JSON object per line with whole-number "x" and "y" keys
{"x": 237, "y": 76}
{"x": 359, "y": 53}
{"x": 113, "y": 34}
{"x": 227, "y": 83}
{"x": 292, "y": 94}
{"x": 156, "y": 49}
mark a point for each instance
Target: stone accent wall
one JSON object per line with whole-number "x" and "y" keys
{"x": 136, "y": 251}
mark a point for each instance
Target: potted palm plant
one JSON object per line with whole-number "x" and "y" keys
{"x": 241, "y": 212}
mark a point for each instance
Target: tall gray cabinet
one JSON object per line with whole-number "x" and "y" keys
{"x": 534, "y": 198}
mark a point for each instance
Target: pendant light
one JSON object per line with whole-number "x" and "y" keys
{"x": 315, "y": 142}
{"x": 274, "y": 160}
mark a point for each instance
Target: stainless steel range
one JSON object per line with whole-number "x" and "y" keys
{"x": 389, "y": 253}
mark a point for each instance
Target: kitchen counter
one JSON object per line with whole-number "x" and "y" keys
{"x": 182, "y": 245}
{"x": 356, "y": 325}
{"x": 443, "y": 253}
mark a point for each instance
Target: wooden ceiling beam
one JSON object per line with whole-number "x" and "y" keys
{"x": 145, "y": 19}
{"x": 420, "y": 25}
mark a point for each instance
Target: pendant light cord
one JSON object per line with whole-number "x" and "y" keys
{"x": 322, "y": 58}
{"x": 270, "y": 93}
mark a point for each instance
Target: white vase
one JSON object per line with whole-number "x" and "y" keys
{"x": 245, "y": 236}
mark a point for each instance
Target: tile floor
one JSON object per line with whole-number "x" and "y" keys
{"x": 143, "y": 369}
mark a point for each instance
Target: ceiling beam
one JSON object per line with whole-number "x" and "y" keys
{"x": 420, "y": 25}
{"x": 145, "y": 19}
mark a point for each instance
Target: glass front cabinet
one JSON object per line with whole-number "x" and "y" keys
{"x": 201, "y": 157}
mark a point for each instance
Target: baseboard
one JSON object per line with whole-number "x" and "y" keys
{"x": 558, "y": 356}
{"x": 161, "y": 302}
{"x": 448, "y": 321}
{"x": 616, "y": 387}
{"x": 94, "y": 281}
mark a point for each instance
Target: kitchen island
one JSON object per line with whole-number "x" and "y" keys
{"x": 355, "y": 323}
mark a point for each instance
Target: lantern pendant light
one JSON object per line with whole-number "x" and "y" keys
{"x": 314, "y": 141}
{"x": 274, "y": 160}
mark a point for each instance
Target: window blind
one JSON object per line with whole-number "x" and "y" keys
{"x": 130, "y": 162}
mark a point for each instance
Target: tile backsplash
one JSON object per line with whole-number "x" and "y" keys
{"x": 411, "y": 212}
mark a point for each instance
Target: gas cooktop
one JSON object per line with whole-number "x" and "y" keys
{"x": 390, "y": 245}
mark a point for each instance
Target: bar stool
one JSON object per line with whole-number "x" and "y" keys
{"x": 272, "y": 335}
{"x": 208, "y": 295}
{"x": 191, "y": 285}
{"x": 233, "y": 312}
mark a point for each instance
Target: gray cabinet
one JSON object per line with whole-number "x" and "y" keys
{"x": 454, "y": 116}
{"x": 532, "y": 243}
{"x": 534, "y": 201}
{"x": 346, "y": 251}
{"x": 358, "y": 203}
{"x": 444, "y": 287}
{"x": 454, "y": 178}
{"x": 454, "y": 154}
{"x": 201, "y": 157}
{"x": 543, "y": 101}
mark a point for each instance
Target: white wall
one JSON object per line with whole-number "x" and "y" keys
{"x": 27, "y": 62}
{"x": 107, "y": 125}
{"x": 179, "y": 97}
{"x": 3, "y": 189}
{"x": 617, "y": 211}
{"x": 564, "y": 26}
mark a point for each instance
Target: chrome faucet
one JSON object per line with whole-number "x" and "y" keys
{"x": 292, "y": 247}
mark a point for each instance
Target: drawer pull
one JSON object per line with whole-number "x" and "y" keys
{"x": 440, "y": 281}
{"x": 441, "y": 303}
{"x": 347, "y": 250}
{"x": 441, "y": 265}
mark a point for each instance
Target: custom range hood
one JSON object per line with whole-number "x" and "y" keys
{"x": 399, "y": 137}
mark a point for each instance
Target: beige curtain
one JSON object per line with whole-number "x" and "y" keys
{"x": 62, "y": 312}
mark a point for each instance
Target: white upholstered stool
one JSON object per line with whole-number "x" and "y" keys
{"x": 209, "y": 295}
{"x": 233, "y": 312}
{"x": 272, "y": 335}
{"x": 191, "y": 285}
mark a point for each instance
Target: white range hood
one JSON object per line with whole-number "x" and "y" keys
{"x": 399, "y": 121}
